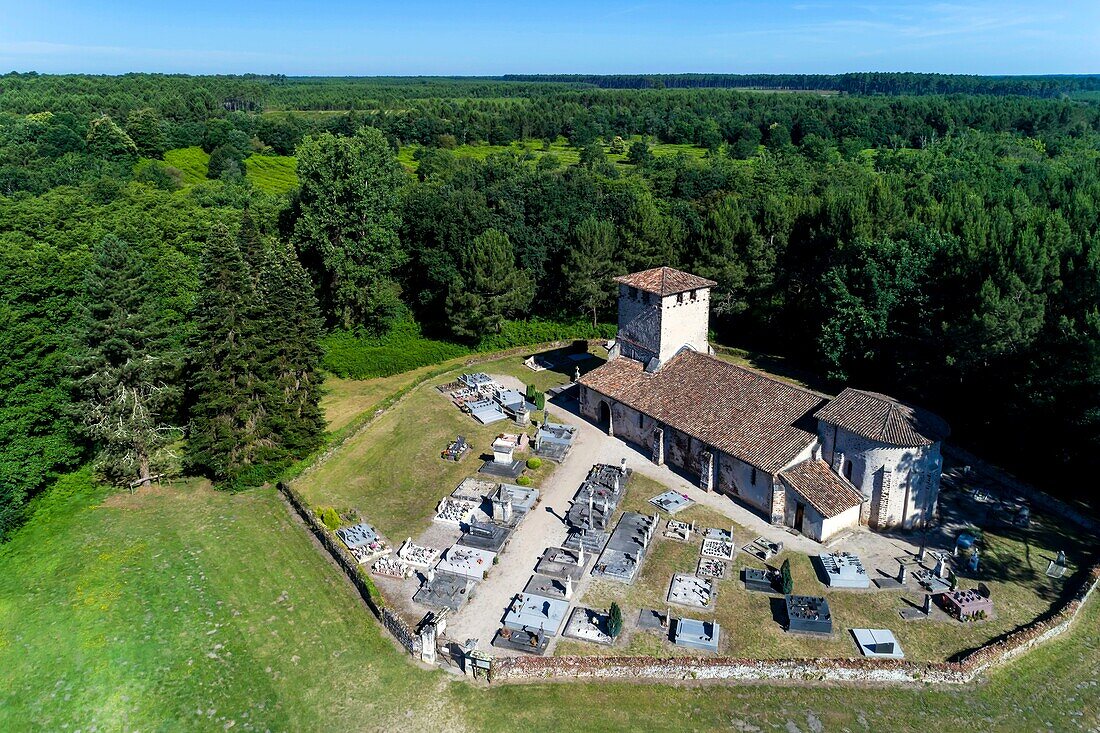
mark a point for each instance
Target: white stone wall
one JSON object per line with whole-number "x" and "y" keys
{"x": 812, "y": 521}
{"x": 845, "y": 520}
{"x": 735, "y": 478}
{"x": 684, "y": 322}
{"x": 914, "y": 483}
{"x": 639, "y": 325}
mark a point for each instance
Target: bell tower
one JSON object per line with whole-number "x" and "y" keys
{"x": 661, "y": 311}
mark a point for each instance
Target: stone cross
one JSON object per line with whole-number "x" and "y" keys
{"x": 568, "y": 586}
{"x": 901, "y": 575}
{"x": 576, "y": 374}
{"x": 580, "y": 554}
{"x": 1061, "y": 558}
{"x": 927, "y": 603}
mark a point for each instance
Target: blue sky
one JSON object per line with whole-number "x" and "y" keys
{"x": 496, "y": 37}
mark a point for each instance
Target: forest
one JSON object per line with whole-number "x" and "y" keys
{"x": 931, "y": 237}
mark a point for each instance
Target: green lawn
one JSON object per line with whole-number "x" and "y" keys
{"x": 274, "y": 174}
{"x": 391, "y": 472}
{"x": 188, "y": 609}
{"x": 192, "y": 162}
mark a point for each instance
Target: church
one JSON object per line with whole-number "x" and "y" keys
{"x": 806, "y": 461}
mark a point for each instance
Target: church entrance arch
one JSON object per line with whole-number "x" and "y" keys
{"x": 605, "y": 416}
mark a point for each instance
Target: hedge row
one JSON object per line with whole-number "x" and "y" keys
{"x": 405, "y": 347}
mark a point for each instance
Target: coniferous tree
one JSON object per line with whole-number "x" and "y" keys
{"x": 292, "y": 331}
{"x": 589, "y": 266}
{"x": 229, "y": 387}
{"x": 489, "y": 287}
{"x": 124, "y": 368}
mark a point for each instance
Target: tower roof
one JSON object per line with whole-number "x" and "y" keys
{"x": 665, "y": 281}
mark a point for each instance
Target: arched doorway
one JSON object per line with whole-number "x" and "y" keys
{"x": 605, "y": 417}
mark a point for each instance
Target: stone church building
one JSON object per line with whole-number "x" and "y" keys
{"x": 819, "y": 465}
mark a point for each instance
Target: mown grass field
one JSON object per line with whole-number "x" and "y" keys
{"x": 192, "y": 162}
{"x": 274, "y": 174}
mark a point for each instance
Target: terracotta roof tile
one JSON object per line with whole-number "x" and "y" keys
{"x": 828, "y": 493}
{"x": 882, "y": 418}
{"x": 751, "y": 416}
{"x": 665, "y": 281}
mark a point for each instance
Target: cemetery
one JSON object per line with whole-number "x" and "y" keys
{"x": 612, "y": 551}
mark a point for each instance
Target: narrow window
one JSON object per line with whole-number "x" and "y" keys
{"x": 848, "y": 470}
{"x": 694, "y": 294}
{"x": 679, "y": 298}
{"x": 640, "y": 418}
{"x": 752, "y": 479}
{"x": 634, "y": 293}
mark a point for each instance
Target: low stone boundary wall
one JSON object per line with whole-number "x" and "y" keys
{"x": 833, "y": 670}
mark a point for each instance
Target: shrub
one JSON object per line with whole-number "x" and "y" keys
{"x": 540, "y": 400}
{"x": 785, "y": 579}
{"x": 523, "y": 481}
{"x": 330, "y": 518}
{"x": 614, "y": 620}
{"x": 534, "y": 463}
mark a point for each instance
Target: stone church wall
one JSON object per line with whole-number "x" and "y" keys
{"x": 684, "y": 322}
{"x": 915, "y": 480}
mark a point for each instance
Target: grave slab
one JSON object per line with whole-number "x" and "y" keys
{"x": 625, "y": 550}
{"x": 757, "y": 580}
{"x": 587, "y": 624}
{"x": 694, "y": 634}
{"x": 558, "y": 562}
{"x": 711, "y": 568}
{"x": 671, "y": 502}
{"x": 466, "y": 561}
{"x": 535, "y": 613}
{"x": 689, "y": 590}
{"x": 809, "y": 615}
{"x": 843, "y": 570}
{"x": 485, "y": 536}
{"x": 542, "y": 585}
{"x": 445, "y": 591}
{"x": 878, "y": 643}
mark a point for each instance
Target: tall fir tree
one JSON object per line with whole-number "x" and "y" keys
{"x": 292, "y": 331}
{"x": 229, "y": 386}
{"x": 255, "y": 384}
{"x": 125, "y": 370}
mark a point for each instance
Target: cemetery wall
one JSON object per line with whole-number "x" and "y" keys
{"x": 1039, "y": 499}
